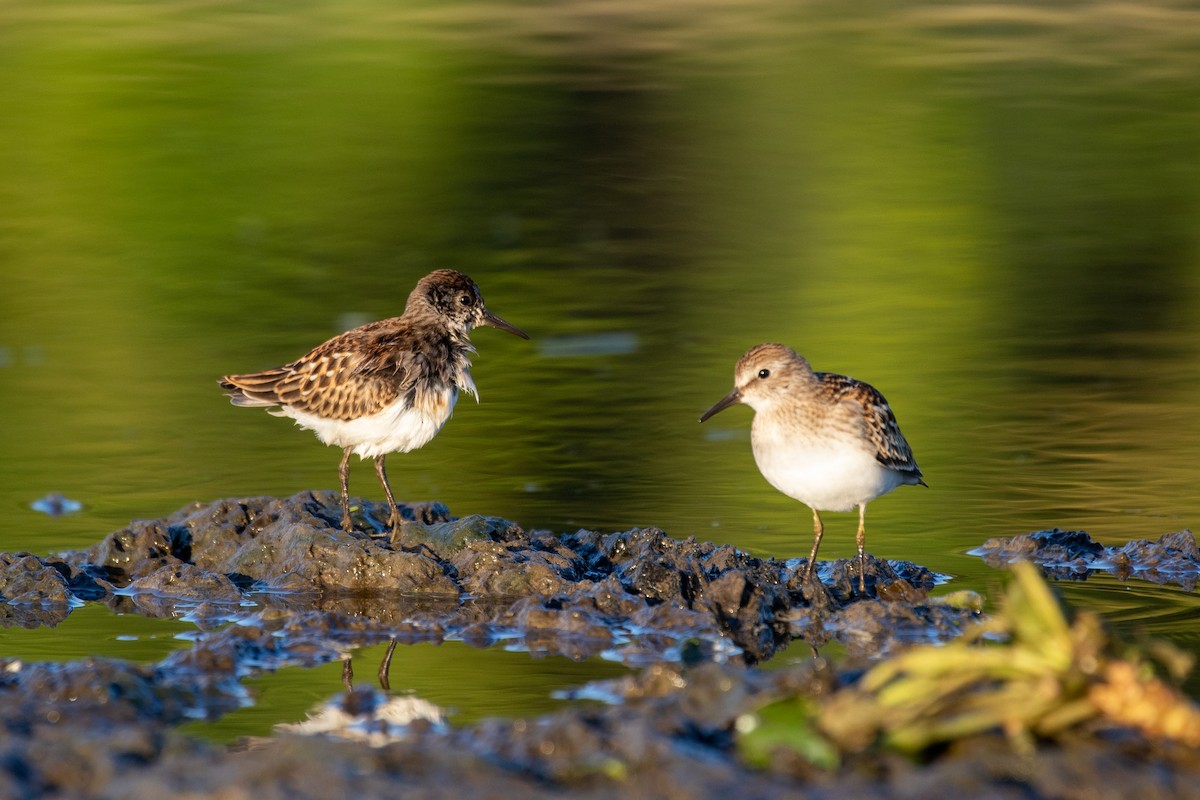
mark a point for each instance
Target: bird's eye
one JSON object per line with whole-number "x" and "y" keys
{"x": 764, "y": 373}
{"x": 466, "y": 299}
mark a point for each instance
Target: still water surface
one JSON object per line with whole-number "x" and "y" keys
{"x": 988, "y": 212}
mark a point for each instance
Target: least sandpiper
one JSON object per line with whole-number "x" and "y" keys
{"x": 829, "y": 441}
{"x": 384, "y": 387}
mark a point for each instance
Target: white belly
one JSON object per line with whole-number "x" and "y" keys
{"x": 824, "y": 477}
{"x": 395, "y": 429}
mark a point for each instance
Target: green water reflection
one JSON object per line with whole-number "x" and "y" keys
{"x": 92, "y": 630}
{"x": 986, "y": 211}
{"x": 470, "y": 684}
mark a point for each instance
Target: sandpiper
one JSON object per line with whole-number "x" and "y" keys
{"x": 384, "y": 387}
{"x": 827, "y": 440}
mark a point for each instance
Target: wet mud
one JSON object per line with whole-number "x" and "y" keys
{"x": 637, "y": 596}
{"x": 1173, "y": 558}
{"x": 692, "y": 618}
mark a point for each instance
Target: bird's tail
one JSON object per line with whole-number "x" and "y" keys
{"x": 255, "y": 390}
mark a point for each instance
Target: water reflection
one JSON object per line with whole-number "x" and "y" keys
{"x": 469, "y": 684}
{"x": 55, "y": 504}
{"x": 592, "y": 344}
{"x": 1139, "y": 612}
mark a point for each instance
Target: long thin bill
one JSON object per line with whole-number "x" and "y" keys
{"x": 722, "y": 404}
{"x": 492, "y": 320}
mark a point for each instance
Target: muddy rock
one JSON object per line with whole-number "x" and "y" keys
{"x": 27, "y": 579}
{"x": 641, "y": 591}
{"x": 97, "y": 691}
{"x": 303, "y": 556}
{"x": 639, "y": 596}
{"x": 290, "y": 544}
{"x": 665, "y": 732}
{"x": 294, "y": 543}
{"x": 136, "y": 551}
{"x": 752, "y": 611}
{"x": 694, "y": 618}
{"x": 1073, "y": 555}
{"x": 448, "y": 537}
{"x": 490, "y": 568}
{"x": 1056, "y": 547}
{"x": 304, "y": 592}
{"x": 25, "y": 615}
{"x": 869, "y": 628}
{"x": 187, "y": 582}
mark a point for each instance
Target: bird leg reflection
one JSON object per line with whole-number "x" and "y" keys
{"x": 385, "y": 666}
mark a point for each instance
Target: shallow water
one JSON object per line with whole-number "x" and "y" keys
{"x": 447, "y": 675}
{"x": 987, "y": 212}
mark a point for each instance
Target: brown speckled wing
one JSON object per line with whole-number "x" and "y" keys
{"x": 350, "y": 376}
{"x": 879, "y": 423}
{"x": 365, "y": 370}
{"x": 332, "y": 385}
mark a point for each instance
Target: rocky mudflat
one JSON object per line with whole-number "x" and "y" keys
{"x": 1074, "y": 555}
{"x": 692, "y": 618}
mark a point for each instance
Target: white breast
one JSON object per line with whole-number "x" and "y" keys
{"x": 397, "y": 428}
{"x": 824, "y": 475}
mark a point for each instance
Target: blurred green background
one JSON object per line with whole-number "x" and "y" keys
{"x": 988, "y": 211}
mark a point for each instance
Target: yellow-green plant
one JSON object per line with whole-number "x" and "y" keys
{"x": 1027, "y": 671}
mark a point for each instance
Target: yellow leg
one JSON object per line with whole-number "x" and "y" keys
{"x": 818, "y": 532}
{"x": 861, "y": 539}
{"x": 344, "y": 475}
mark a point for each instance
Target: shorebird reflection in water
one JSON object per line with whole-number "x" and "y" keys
{"x": 829, "y": 441}
{"x": 384, "y": 387}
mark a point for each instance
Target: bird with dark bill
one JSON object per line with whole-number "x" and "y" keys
{"x": 827, "y": 440}
{"x": 384, "y": 387}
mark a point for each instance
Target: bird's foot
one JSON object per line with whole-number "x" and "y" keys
{"x": 395, "y": 525}
{"x": 862, "y": 575}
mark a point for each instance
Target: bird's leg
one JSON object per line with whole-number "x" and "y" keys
{"x": 344, "y": 474}
{"x": 861, "y": 540}
{"x": 385, "y": 667}
{"x": 394, "y": 519}
{"x": 818, "y": 532}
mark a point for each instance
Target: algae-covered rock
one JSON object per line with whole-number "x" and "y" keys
{"x": 291, "y": 544}
{"x": 449, "y": 537}
{"x": 302, "y": 556}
